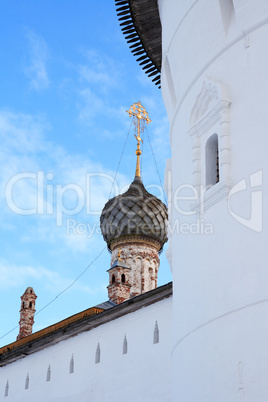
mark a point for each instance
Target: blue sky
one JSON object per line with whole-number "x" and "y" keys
{"x": 67, "y": 79}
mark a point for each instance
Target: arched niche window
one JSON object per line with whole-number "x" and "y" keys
{"x": 212, "y": 161}
{"x": 227, "y": 13}
{"x": 97, "y": 354}
{"x": 113, "y": 279}
{"x": 27, "y": 382}
{"x": 211, "y": 148}
{"x": 30, "y": 304}
{"x": 123, "y": 278}
{"x": 71, "y": 368}
{"x": 23, "y": 305}
{"x": 156, "y": 333}
{"x": 6, "y": 388}
{"x": 125, "y": 345}
{"x": 48, "y": 373}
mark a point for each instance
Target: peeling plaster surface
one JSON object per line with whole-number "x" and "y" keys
{"x": 144, "y": 263}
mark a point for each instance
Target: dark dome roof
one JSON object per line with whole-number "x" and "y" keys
{"x": 134, "y": 213}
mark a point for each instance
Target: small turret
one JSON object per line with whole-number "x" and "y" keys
{"x": 119, "y": 281}
{"x": 27, "y": 313}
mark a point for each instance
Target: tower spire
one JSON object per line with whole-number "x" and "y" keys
{"x": 27, "y": 312}
{"x": 140, "y": 117}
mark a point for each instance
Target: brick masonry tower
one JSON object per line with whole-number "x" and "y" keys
{"x": 27, "y": 313}
{"x": 134, "y": 226}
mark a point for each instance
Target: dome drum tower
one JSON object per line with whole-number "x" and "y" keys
{"x": 144, "y": 260}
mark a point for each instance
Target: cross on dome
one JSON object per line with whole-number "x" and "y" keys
{"x": 140, "y": 117}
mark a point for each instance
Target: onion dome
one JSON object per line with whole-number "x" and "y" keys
{"x": 135, "y": 213}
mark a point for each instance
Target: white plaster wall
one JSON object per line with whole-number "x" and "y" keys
{"x": 220, "y": 279}
{"x": 143, "y": 374}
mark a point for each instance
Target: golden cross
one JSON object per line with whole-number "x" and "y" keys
{"x": 140, "y": 117}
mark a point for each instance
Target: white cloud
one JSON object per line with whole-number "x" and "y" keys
{"x": 36, "y": 70}
{"x": 13, "y": 276}
{"x": 91, "y": 105}
{"x": 99, "y": 70}
{"x": 98, "y": 76}
{"x": 76, "y": 180}
{"x": 20, "y": 132}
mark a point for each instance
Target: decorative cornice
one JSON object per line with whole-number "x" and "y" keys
{"x": 210, "y": 102}
{"x": 212, "y": 196}
{"x": 141, "y": 25}
{"x": 140, "y": 240}
{"x": 115, "y": 267}
{"x": 209, "y": 119}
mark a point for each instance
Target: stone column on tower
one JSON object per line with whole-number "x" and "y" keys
{"x": 27, "y": 312}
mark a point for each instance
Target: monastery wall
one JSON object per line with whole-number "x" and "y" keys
{"x": 79, "y": 372}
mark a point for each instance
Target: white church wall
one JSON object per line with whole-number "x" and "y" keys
{"x": 141, "y": 374}
{"x": 220, "y": 277}
{"x": 214, "y": 351}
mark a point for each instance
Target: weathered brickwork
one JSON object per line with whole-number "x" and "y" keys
{"x": 27, "y": 312}
{"x": 119, "y": 284}
{"x": 143, "y": 261}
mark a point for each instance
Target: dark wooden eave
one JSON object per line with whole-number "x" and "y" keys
{"x": 141, "y": 25}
